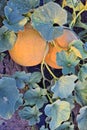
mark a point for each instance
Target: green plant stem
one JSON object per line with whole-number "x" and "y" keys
{"x": 56, "y": 78}
{"x": 80, "y": 24}
{"x": 42, "y": 66}
{"x": 42, "y": 72}
{"x": 50, "y": 99}
{"x": 74, "y": 20}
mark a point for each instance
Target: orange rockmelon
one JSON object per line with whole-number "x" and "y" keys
{"x": 61, "y": 43}
{"x": 29, "y": 47}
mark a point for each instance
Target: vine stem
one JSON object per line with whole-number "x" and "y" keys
{"x": 50, "y": 71}
{"x": 50, "y": 99}
{"x": 44, "y": 63}
{"x": 74, "y": 20}
{"x": 42, "y": 71}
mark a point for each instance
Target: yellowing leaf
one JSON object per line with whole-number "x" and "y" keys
{"x": 76, "y": 51}
{"x": 81, "y": 6}
{"x": 64, "y": 3}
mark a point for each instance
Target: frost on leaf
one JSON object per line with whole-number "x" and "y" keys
{"x": 64, "y": 86}
{"x": 58, "y": 112}
{"x": 8, "y": 97}
{"x": 46, "y": 16}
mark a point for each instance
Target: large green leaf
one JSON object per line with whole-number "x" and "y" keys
{"x": 66, "y": 126}
{"x": 35, "y": 97}
{"x": 23, "y": 6}
{"x": 81, "y": 93}
{"x": 82, "y": 118}
{"x": 7, "y": 39}
{"x": 68, "y": 61}
{"x": 14, "y": 20}
{"x": 30, "y": 79}
{"x": 44, "y": 18}
{"x": 8, "y": 97}
{"x": 58, "y": 112}
{"x": 31, "y": 114}
{"x": 2, "y": 5}
{"x": 64, "y": 86}
{"x": 83, "y": 72}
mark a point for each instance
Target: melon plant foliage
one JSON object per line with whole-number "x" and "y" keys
{"x": 22, "y": 91}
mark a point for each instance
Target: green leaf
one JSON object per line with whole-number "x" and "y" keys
{"x": 8, "y": 97}
{"x": 44, "y": 18}
{"x": 7, "y": 39}
{"x": 22, "y": 75}
{"x": 35, "y": 77}
{"x": 81, "y": 93}
{"x": 14, "y": 20}
{"x": 64, "y": 86}
{"x": 58, "y": 112}
{"x": 19, "y": 102}
{"x": 30, "y": 79}
{"x": 21, "y": 78}
{"x": 82, "y": 74}
{"x": 23, "y": 6}
{"x": 67, "y": 60}
{"x": 31, "y": 114}
{"x": 71, "y": 100}
{"x": 78, "y": 44}
{"x": 66, "y": 126}
{"x": 82, "y": 118}
{"x": 2, "y": 5}
{"x": 35, "y": 97}
{"x": 48, "y": 28}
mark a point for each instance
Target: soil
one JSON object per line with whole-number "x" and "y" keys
{"x": 15, "y": 123}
